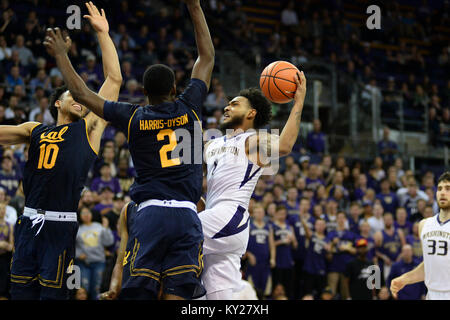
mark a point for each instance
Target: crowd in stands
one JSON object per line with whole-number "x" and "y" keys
{"x": 331, "y": 202}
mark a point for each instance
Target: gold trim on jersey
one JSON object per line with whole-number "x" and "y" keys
{"x": 87, "y": 136}
{"x": 129, "y": 124}
{"x": 195, "y": 114}
{"x": 31, "y": 130}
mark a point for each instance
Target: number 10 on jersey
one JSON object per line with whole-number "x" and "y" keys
{"x": 47, "y": 155}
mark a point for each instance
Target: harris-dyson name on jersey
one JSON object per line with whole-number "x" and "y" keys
{"x": 184, "y": 138}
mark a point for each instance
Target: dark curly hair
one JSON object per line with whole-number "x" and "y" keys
{"x": 260, "y": 104}
{"x": 444, "y": 177}
{"x": 55, "y": 96}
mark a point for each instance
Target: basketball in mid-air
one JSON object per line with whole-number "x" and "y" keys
{"x": 277, "y": 81}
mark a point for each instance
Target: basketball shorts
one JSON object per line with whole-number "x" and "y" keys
{"x": 438, "y": 295}
{"x": 226, "y": 237}
{"x": 42, "y": 255}
{"x": 164, "y": 249}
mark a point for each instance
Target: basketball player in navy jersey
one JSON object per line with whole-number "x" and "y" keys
{"x": 168, "y": 234}
{"x": 59, "y": 160}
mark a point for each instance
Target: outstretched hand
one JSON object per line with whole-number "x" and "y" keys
{"x": 55, "y": 44}
{"x": 300, "y": 93}
{"x": 97, "y": 20}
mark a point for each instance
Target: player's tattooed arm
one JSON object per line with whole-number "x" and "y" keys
{"x": 111, "y": 70}
{"x": 58, "y": 47}
{"x": 11, "y": 135}
{"x": 204, "y": 65}
{"x": 290, "y": 131}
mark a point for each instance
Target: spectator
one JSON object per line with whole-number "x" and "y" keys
{"x": 388, "y": 243}
{"x": 6, "y": 247}
{"x": 315, "y": 141}
{"x": 284, "y": 241}
{"x": 125, "y": 175}
{"x": 42, "y": 110}
{"x": 105, "y": 205}
{"x": 5, "y": 51}
{"x": 41, "y": 80}
{"x": 354, "y": 218}
{"x": 25, "y": 55}
{"x": 413, "y": 240}
{"x": 409, "y": 196}
{"x": 315, "y": 266}
{"x": 298, "y": 219}
{"x": 9, "y": 177}
{"x": 357, "y": 272}
{"x": 401, "y": 221}
{"x": 407, "y": 263}
{"x": 341, "y": 246}
{"x": 387, "y": 197}
{"x": 289, "y": 17}
{"x": 260, "y": 252}
{"x": 92, "y": 238}
{"x": 105, "y": 179}
{"x": 14, "y": 78}
{"x": 94, "y": 74}
{"x": 376, "y": 221}
{"x": 11, "y": 212}
{"x": 387, "y": 148}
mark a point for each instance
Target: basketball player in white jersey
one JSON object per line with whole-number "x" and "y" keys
{"x": 435, "y": 236}
{"x": 234, "y": 164}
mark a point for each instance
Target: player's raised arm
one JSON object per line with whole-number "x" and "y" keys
{"x": 58, "y": 47}
{"x": 10, "y": 135}
{"x": 111, "y": 70}
{"x": 290, "y": 131}
{"x": 204, "y": 65}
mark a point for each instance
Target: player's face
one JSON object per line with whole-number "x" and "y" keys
{"x": 443, "y": 195}
{"x": 235, "y": 113}
{"x": 71, "y": 108}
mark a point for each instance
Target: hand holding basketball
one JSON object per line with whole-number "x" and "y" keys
{"x": 279, "y": 82}
{"x": 300, "y": 92}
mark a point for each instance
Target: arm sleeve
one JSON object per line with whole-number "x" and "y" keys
{"x": 195, "y": 95}
{"x": 119, "y": 113}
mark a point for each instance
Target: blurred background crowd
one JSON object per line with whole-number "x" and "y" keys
{"x": 322, "y": 201}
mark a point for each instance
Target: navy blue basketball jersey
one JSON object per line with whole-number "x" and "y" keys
{"x": 165, "y": 142}
{"x": 58, "y": 163}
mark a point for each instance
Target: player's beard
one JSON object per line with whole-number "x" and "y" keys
{"x": 234, "y": 123}
{"x": 445, "y": 206}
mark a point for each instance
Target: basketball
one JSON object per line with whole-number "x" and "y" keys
{"x": 277, "y": 81}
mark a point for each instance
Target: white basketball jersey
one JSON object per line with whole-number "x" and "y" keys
{"x": 435, "y": 238}
{"x": 231, "y": 175}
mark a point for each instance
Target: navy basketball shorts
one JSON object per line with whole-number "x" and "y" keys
{"x": 165, "y": 247}
{"x": 40, "y": 261}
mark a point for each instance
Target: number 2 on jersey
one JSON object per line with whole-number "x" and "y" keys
{"x": 165, "y": 161}
{"x": 48, "y": 155}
